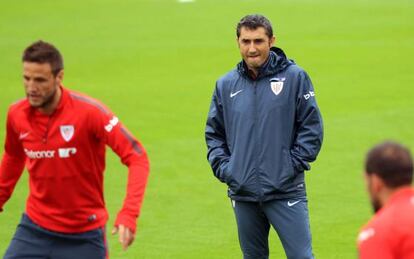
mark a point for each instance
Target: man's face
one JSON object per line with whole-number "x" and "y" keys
{"x": 40, "y": 83}
{"x": 254, "y": 46}
{"x": 373, "y": 187}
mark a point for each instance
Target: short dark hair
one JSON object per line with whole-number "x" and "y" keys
{"x": 43, "y": 52}
{"x": 252, "y": 22}
{"x": 392, "y": 162}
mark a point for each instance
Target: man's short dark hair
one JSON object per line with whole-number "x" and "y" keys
{"x": 254, "y": 21}
{"x": 43, "y": 52}
{"x": 392, "y": 162}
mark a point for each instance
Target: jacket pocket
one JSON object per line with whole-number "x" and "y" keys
{"x": 287, "y": 160}
{"x": 287, "y": 173}
{"x": 230, "y": 179}
{"x": 290, "y": 164}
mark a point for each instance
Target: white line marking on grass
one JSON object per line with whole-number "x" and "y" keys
{"x": 186, "y": 1}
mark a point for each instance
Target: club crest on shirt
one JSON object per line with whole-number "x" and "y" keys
{"x": 67, "y": 132}
{"x": 276, "y": 84}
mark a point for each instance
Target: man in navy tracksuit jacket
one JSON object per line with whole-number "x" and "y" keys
{"x": 263, "y": 129}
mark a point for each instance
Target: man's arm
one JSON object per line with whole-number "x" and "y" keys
{"x": 309, "y": 128}
{"x": 134, "y": 156}
{"x": 218, "y": 153}
{"x": 12, "y": 163}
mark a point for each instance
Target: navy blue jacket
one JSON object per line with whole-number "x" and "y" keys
{"x": 262, "y": 133}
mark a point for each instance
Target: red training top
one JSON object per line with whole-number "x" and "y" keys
{"x": 65, "y": 156}
{"x": 390, "y": 233}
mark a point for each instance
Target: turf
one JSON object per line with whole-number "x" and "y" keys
{"x": 155, "y": 62}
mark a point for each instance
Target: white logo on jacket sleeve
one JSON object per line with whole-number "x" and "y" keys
{"x": 66, "y": 152}
{"x": 67, "y": 132}
{"x": 112, "y": 123}
{"x": 309, "y": 95}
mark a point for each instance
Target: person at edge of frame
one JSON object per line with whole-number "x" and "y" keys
{"x": 389, "y": 177}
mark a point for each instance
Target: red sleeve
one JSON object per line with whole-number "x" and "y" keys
{"x": 12, "y": 163}
{"x": 134, "y": 156}
{"x": 373, "y": 244}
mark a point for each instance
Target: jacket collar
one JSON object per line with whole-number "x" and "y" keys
{"x": 275, "y": 63}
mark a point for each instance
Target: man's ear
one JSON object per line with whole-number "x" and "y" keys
{"x": 377, "y": 184}
{"x": 238, "y": 43}
{"x": 59, "y": 76}
{"x": 272, "y": 41}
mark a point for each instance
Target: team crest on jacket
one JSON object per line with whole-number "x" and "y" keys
{"x": 276, "y": 84}
{"x": 67, "y": 132}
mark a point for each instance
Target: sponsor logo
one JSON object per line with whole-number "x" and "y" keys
{"x": 235, "y": 93}
{"x": 309, "y": 95}
{"x": 290, "y": 204}
{"x": 366, "y": 234}
{"x": 112, "y": 123}
{"x": 23, "y": 135}
{"x": 39, "y": 154}
{"x": 67, "y": 132}
{"x": 66, "y": 152}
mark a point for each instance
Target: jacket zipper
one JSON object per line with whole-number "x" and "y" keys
{"x": 256, "y": 136}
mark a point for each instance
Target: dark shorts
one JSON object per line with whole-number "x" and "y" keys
{"x": 33, "y": 241}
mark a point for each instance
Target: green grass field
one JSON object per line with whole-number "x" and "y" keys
{"x": 155, "y": 62}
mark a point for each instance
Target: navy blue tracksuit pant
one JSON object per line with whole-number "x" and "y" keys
{"x": 34, "y": 242}
{"x": 290, "y": 219}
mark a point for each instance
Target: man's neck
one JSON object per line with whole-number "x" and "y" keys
{"x": 253, "y": 73}
{"x": 388, "y": 193}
